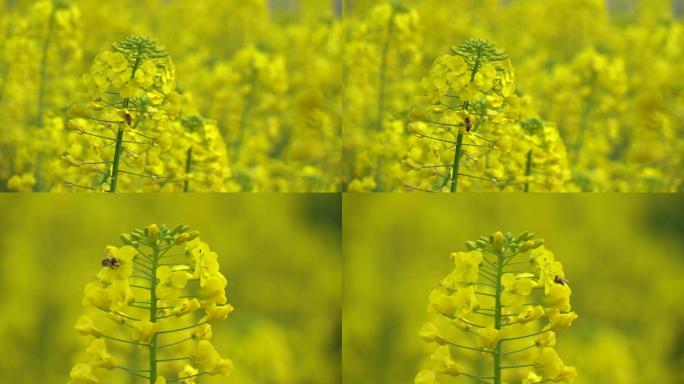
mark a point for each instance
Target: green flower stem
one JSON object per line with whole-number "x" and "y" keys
{"x": 458, "y": 152}
{"x": 465, "y": 347}
{"x": 139, "y": 306}
{"x": 188, "y": 165}
{"x": 244, "y": 115}
{"x": 518, "y": 263}
{"x": 494, "y": 275}
{"x": 487, "y": 285}
{"x": 467, "y": 322}
{"x": 125, "y": 316}
{"x": 174, "y": 359}
{"x": 166, "y": 316}
{"x": 144, "y": 272}
{"x": 144, "y": 266}
{"x": 383, "y": 72}
{"x": 174, "y": 343}
{"x": 133, "y": 369}
{"x": 528, "y": 169}
{"x": 498, "y": 318}
{"x": 584, "y": 121}
{"x": 117, "y": 158}
{"x": 122, "y": 340}
{"x": 519, "y": 350}
{"x": 381, "y": 95}
{"x": 42, "y": 84}
{"x": 145, "y": 263}
{"x": 457, "y": 160}
{"x": 188, "y": 377}
{"x": 511, "y": 257}
{"x": 120, "y": 134}
{"x": 153, "y": 314}
{"x": 522, "y": 337}
{"x": 475, "y": 378}
{"x": 379, "y": 187}
{"x": 162, "y": 256}
{"x": 184, "y": 328}
{"x": 489, "y": 279}
{"x": 490, "y": 263}
{"x": 517, "y": 366}
{"x": 132, "y": 372}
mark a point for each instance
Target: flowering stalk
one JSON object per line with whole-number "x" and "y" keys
{"x": 139, "y": 48}
{"x": 471, "y": 104}
{"x": 490, "y": 307}
{"x": 131, "y": 91}
{"x": 152, "y": 287}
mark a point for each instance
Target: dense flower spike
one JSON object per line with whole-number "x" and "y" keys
{"x": 119, "y": 129}
{"x": 147, "y": 299}
{"x": 492, "y": 308}
{"x": 467, "y": 122}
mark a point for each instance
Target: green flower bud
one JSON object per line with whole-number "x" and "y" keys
{"x": 497, "y": 240}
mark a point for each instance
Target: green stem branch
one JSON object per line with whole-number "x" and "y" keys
{"x": 188, "y": 166}
{"x": 120, "y": 133}
{"x": 42, "y": 85}
{"x": 528, "y": 170}
{"x": 245, "y": 115}
{"x": 383, "y": 73}
{"x": 153, "y": 314}
{"x": 497, "y": 317}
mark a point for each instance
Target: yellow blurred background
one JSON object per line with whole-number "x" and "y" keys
{"x": 622, "y": 254}
{"x": 280, "y": 254}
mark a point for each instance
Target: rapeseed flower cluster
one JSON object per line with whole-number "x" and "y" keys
{"x": 132, "y": 127}
{"x": 502, "y": 305}
{"x": 158, "y": 295}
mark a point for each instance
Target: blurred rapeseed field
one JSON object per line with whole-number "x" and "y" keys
{"x": 239, "y": 95}
{"x": 352, "y": 95}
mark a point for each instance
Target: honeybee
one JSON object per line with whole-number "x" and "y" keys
{"x": 468, "y": 125}
{"x": 128, "y": 119}
{"x": 560, "y": 280}
{"x": 111, "y": 262}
